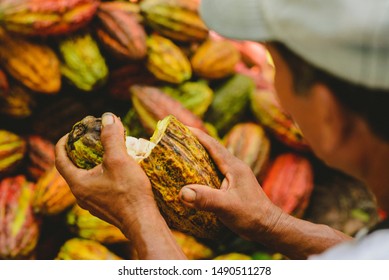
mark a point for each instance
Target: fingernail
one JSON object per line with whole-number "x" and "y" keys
{"x": 107, "y": 119}
{"x": 188, "y": 195}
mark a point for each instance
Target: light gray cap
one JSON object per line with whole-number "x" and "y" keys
{"x": 347, "y": 38}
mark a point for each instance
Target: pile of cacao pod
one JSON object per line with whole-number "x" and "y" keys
{"x": 61, "y": 60}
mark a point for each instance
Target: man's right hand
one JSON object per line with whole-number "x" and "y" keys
{"x": 240, "y": 203}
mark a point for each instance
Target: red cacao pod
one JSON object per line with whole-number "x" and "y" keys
{"x": 41, "y": 156}
{"x": 289, "y": 183}
{"x": 19, "y": 228}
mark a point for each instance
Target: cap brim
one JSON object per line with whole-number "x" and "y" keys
{"x": 235, "y": 19}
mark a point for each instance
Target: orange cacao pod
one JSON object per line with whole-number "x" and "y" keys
{"x": 46, "y": 17}
{"x": 52, "y": 194}
{"x": 41, "y": 156}
{"x": 18, "y": 102}
{"x": 121, "y": 32}
{"x": 215, "y": 59}
{"x": 249, "y": 143}
{"x": 289, "y": 183}
{"x": 34, "y": 65}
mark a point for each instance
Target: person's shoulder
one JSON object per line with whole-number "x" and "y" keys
{"x": 373, "y": 246}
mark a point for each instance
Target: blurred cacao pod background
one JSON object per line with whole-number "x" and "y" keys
{"x": 61, "y": 60}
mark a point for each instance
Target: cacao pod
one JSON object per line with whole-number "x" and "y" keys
{"x": 41, "y": 156}
{"x": 175, "y": 19}
{"x": 192, "y": 248}
{"x": 83, "y": 64}
{"x": 195, "y": 96}
{"x": 83, "y": 249}
{"x": 152, "y": 105}
{"x": 268, "y": 112}
{"x": 34, "y": 65}
{"x": 215, "y": 59}
{"x": 128, "y": 7}
{"x": 87, "y": 226}
{"x": 4, "y": 86}
{"x": 167, "y": 61}
{"x": 46, "y": 17}
{"x": 249, "y": 143}
{"x": 12, "y": 151}
{"x": 17, "y": 103}
{"x": 52, "y": 195}
{"x": 289, "y": 183}
{"x": 230, "y": 103}
{"x": 171, "y": 159}
{"x": 121, "y": 32}
{"x": 19, "y": 228}
{"x": 133, "y": 125}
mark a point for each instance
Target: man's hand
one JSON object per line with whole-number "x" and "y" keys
{"x": 115, "y": 190}
{"x": 240, "y": 203}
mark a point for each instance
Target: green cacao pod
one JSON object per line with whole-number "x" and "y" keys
{"x": 83, "y": 249}
{"x": 40, "y": 154}
{"x": 171, "y": 159}
{"x": 152, "y": 105}
{"x": 195, "y": 96}
{"x": 83, "y": 64}
{"x": 269, "y": 113}
{"x": 34, "y": 65}
{"x": 289, "y": 183}
{"x": 18, "y": 102}
{"x": 52, "y": 195}
{"x": 133, "y": 125}
{"x": 12, "y": 151}
{"x": 167, "y": 61}
{"x": 46, "y": 17}
{"x": 19, "y": 228}
{"x": 87, "y": 226}
{"x": 175, "y": 19}
{"x": 192, "y": 248}
{"x": 215, "y": 59}
{"x": 249, "y": 143}
{"x": 121, "y": 32}
{"x": 230, "y": 103}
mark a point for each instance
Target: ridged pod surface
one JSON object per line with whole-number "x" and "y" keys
{"x": 166, "y": 60}
{"x": 83, "y": 249}
{"x": 177, "y": 159}
{"x": 18, "y": 102}
{"x": 82, "y": 62}
{"x": 52, "y": 195}
{"x": 269, "y": 113}
{"x": 33, "y": 64}
{"x": 19, "y": 228}
{"x": 41, "y": 155}
{"x": 289, "y": 183}
{"x": 249, "y": 143}
{"x": 176, "y": 19}
{"x": 46, "y": 17}
{"x": 195, "y": 96}
{"x": 152, "y": 105}
{"x": 230, "y": 103}
{"x": 12, "y": 151}
{"x": 87, "y": 226}
{"x": 121, "y": 32}
{"x": 215, "y": 59}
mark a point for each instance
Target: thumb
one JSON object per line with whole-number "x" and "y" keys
{"x": 203, "y": 197}
{"x": 112, "y": 136}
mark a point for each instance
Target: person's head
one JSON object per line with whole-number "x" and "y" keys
{"x": 331, "y": 59}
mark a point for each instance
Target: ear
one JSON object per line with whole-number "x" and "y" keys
{"x": 334, "y": 120}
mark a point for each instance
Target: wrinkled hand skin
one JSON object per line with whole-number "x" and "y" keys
{"x": 240, "y": 203}
{"x": 119, "y": 192}
{"x": 242, "y": 206}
